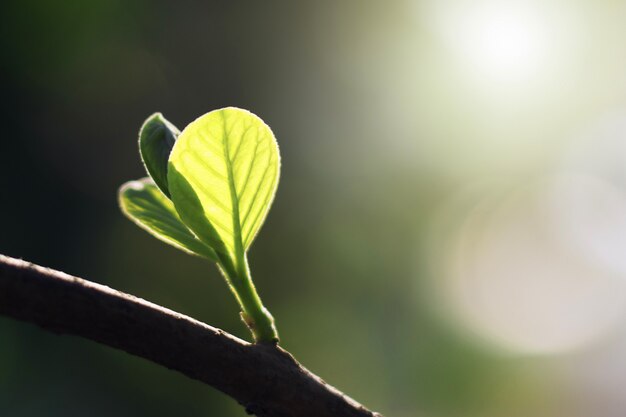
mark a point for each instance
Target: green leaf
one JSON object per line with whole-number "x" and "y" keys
{"x": 156, "y": 140}
{"x": 222, "y": 174}
{"x": 143, "y": 203}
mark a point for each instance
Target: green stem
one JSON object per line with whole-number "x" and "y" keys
{"x": 254, "y": 314}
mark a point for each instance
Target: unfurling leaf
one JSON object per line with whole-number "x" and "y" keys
{"x": 143, "y": 203}
{"x": 156, "y": 140}
{"x": 222, "y": 175}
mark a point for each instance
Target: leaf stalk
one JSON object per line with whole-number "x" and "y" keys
{"x": 256, "y": 317}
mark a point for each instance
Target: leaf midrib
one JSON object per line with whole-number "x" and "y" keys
{"x": 234, "y": 198}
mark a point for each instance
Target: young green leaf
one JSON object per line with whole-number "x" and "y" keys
{"x": 223, "y": 174}
{"x": 156, "y": 140}
{"x": 143, "y": 203}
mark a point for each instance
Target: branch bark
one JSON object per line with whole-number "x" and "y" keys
{"x": 265, "y": 379}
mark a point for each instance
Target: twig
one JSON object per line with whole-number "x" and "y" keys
{"x": 265, "y": 379}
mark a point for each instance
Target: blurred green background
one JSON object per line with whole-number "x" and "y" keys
{"x": 449, "y": 233}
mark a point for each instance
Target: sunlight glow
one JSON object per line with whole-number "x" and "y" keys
{"x": 504, "y": 43}
{"x": 497, "y": 41}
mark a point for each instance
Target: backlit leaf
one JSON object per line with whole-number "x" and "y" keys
{"x": 223, "y": 173}
{"x": 144, "y": 204}
{"x": 156, "y": 140}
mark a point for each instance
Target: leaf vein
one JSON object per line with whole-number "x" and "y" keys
{"x": 245, "y": 184}
{"x": 261, "y": 181}
{"x": 240, "y": 144}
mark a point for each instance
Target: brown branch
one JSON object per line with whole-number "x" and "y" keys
{"x": 265, "y": 379}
